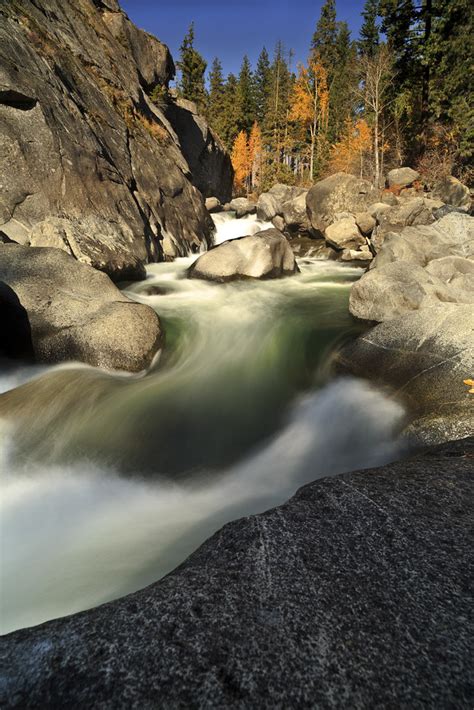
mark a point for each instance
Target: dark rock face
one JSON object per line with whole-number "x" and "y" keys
{"x": 81, "y": 139}
{"x": 354, "y": 593}
{"x": 266, "y": 255}
{"x": 209, "y": 162}
{"x": 54, "y": 309}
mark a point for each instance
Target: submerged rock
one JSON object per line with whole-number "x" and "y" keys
{"x": 267, "y": 255}
{"x": 54, "y": 309}
{"x": 355, "y": 589}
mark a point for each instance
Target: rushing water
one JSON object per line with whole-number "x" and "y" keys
{"x": 110, "y": 480}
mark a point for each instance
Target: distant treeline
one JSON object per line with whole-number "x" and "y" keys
{"x": 400, "y": 93}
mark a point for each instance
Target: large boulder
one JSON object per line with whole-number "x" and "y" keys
{"x": 344, "y": 234}
{"x": 84, "y": 132}
{"x": 412, "y": 212}
{"x": 452, "y": 192}
{"x": 267, "y": 255}
{"x": 352, "y": 594}
{"x": 394, "y": 289}
{"x": 53, "y": 308}
{"x": 424, "y": 357}
{"x": 402, "y": 177}
{"x": 453, "y": 235}
{"x": 338, "y": 193}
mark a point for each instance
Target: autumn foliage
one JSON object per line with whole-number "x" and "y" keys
{"x": 247, "y": 156}
{"x": 352, "y": 152}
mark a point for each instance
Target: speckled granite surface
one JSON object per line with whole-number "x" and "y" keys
{"x": 355, "y": 594}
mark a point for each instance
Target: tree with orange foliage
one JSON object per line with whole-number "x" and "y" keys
{"x": 310, "y": 103}
{"x": 349, "y": 153}
{"x": 241, "y": 161}
{"x": 255, "y": 148}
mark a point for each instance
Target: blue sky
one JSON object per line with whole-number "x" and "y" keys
{"x": 229, "y": 30}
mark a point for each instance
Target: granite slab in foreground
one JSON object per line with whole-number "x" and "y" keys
{"x": 354, "y": 594}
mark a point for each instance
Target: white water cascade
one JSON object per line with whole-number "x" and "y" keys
{"x": 102, "y": 495}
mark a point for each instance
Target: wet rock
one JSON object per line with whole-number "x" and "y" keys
{"x": 355, "y": 588}
{"x": 267, "y": 255}
{"x": 423, "y": 356}
{"x": 70, "y": 311}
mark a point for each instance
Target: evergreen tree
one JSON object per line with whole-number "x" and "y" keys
{"x": 245, "y": 97}
{"x": 325, "y": 38}
{"x": 262, "y": 84}
{"x": 230, "y": 117}
{"x": 278, "y": 104}
{"x": 344, "y": 82}
{"x": 449, "y": 55}
{"x": 370, "y": 30}
{"x": 192, "y": 67}
{"x": 216, "y": 102}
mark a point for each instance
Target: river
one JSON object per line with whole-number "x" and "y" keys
{"x": 111, "y": 480}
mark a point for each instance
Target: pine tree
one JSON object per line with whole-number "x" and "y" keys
{"x": 277, "y": 113}
{"x": 216, "y": 102}
{"x": 344, "y": 82}
{"x": 450, "y": 54}
{"x": 323, "y": 44}
{"x": 262, "y": 85}
{"x": 192, "y": 67}
{"x": 245, "y": 97}
{"x": 370, "y": 31}
{"x": 229, "y": 129}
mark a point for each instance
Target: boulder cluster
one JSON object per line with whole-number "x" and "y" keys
{"x": 419, "y": 289}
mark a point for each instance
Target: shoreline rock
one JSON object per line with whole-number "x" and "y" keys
{"x": 54, "y": 309}
{"x": 355, "y": 588}
{"x": 265, "y": 255}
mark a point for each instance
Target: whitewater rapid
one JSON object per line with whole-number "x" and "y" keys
{"x": 109, "y": 481}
